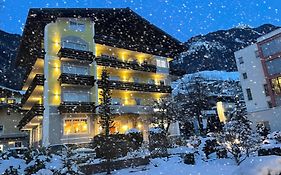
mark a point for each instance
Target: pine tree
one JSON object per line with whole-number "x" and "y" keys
{"x": 238, "y": 136}
{"x": 106, "y": 118}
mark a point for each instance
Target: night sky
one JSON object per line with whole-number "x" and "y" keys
{"x": 180, "y": 18}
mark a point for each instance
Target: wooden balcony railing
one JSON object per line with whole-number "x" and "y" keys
{"x": 77, "y": 107}
{"x": 37, "y": 81}
{"x": 117, "y": 63}
{"x": 74, "y": 79}
{"x": 80, "y": 55}
{"x": 36, "y": 110}
{"x": 132, "y": 86}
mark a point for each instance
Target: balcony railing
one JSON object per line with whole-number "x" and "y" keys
{"x": 74, "y": 79}
{"x": 117, "y": 63}
{"x": 137, "y": 109}
{"x": 132, "y": 86}
{"x": 80, "y": 55}
{"x": 36, "y": 110}
{"x": 77, "y": 107}
{"x": 37, "y": 81}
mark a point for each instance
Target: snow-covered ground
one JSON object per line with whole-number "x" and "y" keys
{"x": 174, "y": 166}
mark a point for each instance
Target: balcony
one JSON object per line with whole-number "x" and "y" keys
{"x": 74, "y": 79}
{"x": 77, "y": 107}
{"x": 132, "y": 86}
{"x": 137, "y": 109}
{"x": 37, "y": 81}
{"x": 36, "y": 110}
{"x": 108, "y": 61}
{"x": 79, "y": 55}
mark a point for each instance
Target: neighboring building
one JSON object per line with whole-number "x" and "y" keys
{"x": 10, "y": 115}
{"x": 65, "y": 51}
{"x": 259, "y": 66}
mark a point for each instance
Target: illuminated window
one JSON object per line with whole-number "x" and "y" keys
{"x": 161, "y": 63}
{"x": 11, "y": 101}
{"x": 276, "y": 85}
{"x": 77, "y": 26}
{"x": 75, "y": 126}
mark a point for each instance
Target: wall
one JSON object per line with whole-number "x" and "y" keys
{"x": 255, "y": 81}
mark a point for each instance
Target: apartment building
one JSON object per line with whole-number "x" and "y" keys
{"x": 10, "y": 115}
{"x": 259, "y": 66}
{"x": 65, "y": 51}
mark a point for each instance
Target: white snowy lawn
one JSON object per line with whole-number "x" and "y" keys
{"x": 175, "y": 166}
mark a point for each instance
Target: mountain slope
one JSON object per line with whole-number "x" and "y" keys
{"x": 215, "y": 51}
{"x": 10, "y": 75}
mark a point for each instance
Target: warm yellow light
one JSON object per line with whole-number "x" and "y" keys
{"x": 139, "y": 126}
{"x": 220, "y": 111}
{"x": 125, "y": 127}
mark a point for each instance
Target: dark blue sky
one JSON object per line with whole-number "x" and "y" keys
{"x": 180, "y": 18}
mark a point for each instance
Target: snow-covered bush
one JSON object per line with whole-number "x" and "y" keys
{"x": 158, "y": 142}
{"x": 135, "y": 137}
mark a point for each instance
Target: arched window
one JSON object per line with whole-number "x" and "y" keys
{"x": 74, "y": 42}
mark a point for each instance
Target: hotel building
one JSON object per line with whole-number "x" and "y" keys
{"x": 65, "y": 51}
{"x": 10, "y": 115}
{"x": 259, "y": 66}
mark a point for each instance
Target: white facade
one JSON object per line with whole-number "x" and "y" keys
{"x": 254, "y": 85}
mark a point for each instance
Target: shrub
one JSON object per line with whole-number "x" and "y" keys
{"x": 189, "y": 159}
{"x": 116, "y": 145}
{"x": 158, "y": 142}
{"x": 210, "y": 147}
{"x": 221, "y": 153}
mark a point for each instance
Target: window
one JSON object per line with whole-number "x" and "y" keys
{"x": 75, "y": 126}
{"x": 1, "y": 148}
{"x": 116, "y": 101}
{"x": 276, "y": 85}
{"x": 249, "y": 94}
{"x": 274, "y": 66}
{"x": 240, "y": 60}
{"x": 114, "y": 78}
{"x": 245, "y": 76}
{"x": 77, "y": 26}
{"x": 162, "y": 82}
{"x": 74, "y": 42}
{"x": 272, "y": 47}
{"x": 73, "y": 45}
{"x": 73, "y": 96}
{"x": 151, "y": 81}
{"x": 136, "y": 80}
{"x": 74, "y": 69}
{"x": 11, "y": 101}
{"x": 266, "y": 92}
{"x": 1, "y": 129}
{"x": 161, "y": 63}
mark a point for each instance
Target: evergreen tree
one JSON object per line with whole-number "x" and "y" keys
{"x": 238, "y": 136}
{"x": 106, "y": 118}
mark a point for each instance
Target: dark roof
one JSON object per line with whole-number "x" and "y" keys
{"x": 117, "y": 27}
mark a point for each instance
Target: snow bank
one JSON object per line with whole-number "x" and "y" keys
{"x": 264, "y": 165}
